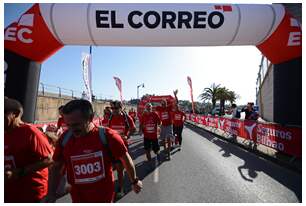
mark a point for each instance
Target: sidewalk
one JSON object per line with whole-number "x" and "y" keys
{"x": 261, "y": 150}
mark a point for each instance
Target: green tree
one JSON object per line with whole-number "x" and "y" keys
{"x": 210, "y": 94}
{"x": 223, "y": 96}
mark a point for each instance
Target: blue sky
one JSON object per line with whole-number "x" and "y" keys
{"x": 161, "y": 69}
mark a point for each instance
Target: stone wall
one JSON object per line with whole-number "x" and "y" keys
{"x": 48, "y": 104}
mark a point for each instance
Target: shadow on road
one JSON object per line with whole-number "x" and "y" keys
{"x": 252, "y": 163}
{"x": 143, "y": 168}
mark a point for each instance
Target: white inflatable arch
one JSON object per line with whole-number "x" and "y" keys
{"x": 45, "y": 28}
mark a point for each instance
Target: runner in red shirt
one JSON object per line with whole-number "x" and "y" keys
{"x": 88, "y": 161}
{"x": 133, "y": 114}
{"x": 27, "y": 157}
{"x": 149, "y": 122}
{"x": 107, "y": 113}
{"x": 178, "y": 118}
{"x": 165, "y": 114}
{"x": 124, "y": 125}
{"x": 61, "y": 126}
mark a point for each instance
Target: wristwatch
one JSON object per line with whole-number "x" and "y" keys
{"x": 135, "y": 181}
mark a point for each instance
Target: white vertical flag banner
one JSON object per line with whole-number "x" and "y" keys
{"x": 119, "y": 85}
{"x": 86, "y": 67}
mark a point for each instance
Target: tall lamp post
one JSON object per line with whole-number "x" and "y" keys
{"x": 141, "y": 85}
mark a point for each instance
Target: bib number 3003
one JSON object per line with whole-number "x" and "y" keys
{"x": 88, "y": 168}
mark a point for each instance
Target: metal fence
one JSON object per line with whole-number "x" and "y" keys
{"x": 56, "y": 91}
{"x": 263, "y": 69}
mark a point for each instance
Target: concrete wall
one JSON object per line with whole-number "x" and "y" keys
{"x": 48, "y": 104}
{"x": 266, "y": 95}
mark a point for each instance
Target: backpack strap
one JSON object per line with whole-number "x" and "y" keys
{"x": 104, "y": 141}
{"x": 102, "y": 136}
{"x": 66, "y": 138}
{"x": 127, "y": 124}
{"x": 110, "y": 119}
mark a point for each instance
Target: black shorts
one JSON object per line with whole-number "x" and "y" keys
{"x": 149, "y": 143}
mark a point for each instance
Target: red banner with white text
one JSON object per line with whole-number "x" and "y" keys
{"x": 284, "y": 139}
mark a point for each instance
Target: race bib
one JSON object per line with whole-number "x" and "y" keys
{"x": 177, "y": 117}
{"x": 9, "y": 162}
{"x": 150, "y": 128}
{"x": 164, "y": 116}
{"x": 119, "y": 129}
{"x": 88, "y": 168}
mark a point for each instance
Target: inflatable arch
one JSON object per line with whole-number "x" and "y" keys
{"x": 45, "y": 28}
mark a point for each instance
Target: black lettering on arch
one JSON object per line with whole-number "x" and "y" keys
{"x": 131, "y": 22}
{"x": 199, "y": 16}
{"x": 169, "y": 20}
{"x": 182, "y": 20}
{"x": 146, "y": 19}
{"x": 101, "y": 15}
{"x": 210, "y": 21}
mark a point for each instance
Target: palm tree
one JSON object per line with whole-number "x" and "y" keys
{"x": 210, "y": 94}
{"x": 223, "y": 96}
{"x": 232, "y": 96}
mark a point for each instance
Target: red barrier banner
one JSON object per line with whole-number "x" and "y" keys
{"x": 285, "y": 139}
{"x": 202, "y": 120}
{"x": 212, "y": 121}
{"x": 233, "y": 126}
{"x": 249, "y": 130}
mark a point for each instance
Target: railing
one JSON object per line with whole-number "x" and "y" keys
{"x": 56, "y": 91}
{"x": 263, "y": 69}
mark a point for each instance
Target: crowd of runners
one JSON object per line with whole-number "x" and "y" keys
{"x": 79, "y": 156}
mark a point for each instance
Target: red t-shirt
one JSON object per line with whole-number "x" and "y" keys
{"x": 24, "y": 146}
{"x": 61, "y": 122}
{"x": 165, "y": 115}
{"x": 149, "y": 122}
{"x": 117, "y": 123}
{"x": 178, "y": 118}
{"x": 132, "y": 114}
{"x": 104, "y": 122}
{"x": 89, "y": 166}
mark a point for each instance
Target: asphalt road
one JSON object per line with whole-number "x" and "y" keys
{"x": 208, "y": 169}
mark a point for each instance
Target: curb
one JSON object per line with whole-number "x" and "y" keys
{"x": 279, "y": 161}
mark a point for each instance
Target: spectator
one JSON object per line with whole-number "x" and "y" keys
{"x": 235, "y": 112}
{"x": 250, "y": 113}
{"x": 27, "y": 157}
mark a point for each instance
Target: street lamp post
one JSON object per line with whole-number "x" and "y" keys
{"x": 141, "y": 85}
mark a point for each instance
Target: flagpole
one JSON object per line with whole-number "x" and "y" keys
{"x": 90, "y": 75}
